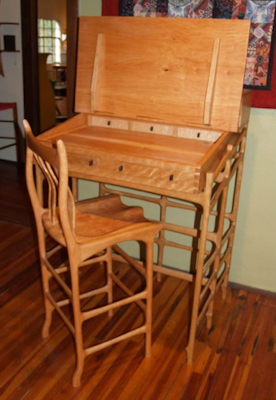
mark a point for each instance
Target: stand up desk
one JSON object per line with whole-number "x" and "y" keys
{"x": 162, "y": 111}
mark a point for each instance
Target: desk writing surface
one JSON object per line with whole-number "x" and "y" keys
{"x": 138, "y": 144}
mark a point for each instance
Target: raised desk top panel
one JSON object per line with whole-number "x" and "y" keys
{"x": 169, "y": 70}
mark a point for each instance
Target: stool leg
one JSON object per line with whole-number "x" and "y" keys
{"x": 109, "y": 279}
{"x": 149, "y": 283}
{"x": 47, "y": 305}
{"x": 46, "y": 276}
{"x": 80, "y": 355}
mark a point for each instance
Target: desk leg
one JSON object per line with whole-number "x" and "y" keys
{"x": 212, "y": 271}
{"x": 210, "y": 265}
{"x": 199, "y": 270}
{"x": 162, "y": 203}
{"x": 232, "y": 217}
{"x": 218, "y": 238}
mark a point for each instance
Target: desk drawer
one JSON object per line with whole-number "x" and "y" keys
{"x": 155, "y": 177}
{"x": 109, "y": 169}
{"x": 82, "y": 163}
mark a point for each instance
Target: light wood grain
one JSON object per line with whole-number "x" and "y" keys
{"x": 154, "y": 127}
{"x": 86, "y": 231}
{"x": 211, "y": 83}
{"x": 97, "y": 71}
{"x": 149, "y": 161}
{"x": 159, "y": 81}
{"x": 169, "y": 120}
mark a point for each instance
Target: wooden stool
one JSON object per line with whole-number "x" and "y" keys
{"x": 88, "y": 230}
{"x": 16, "y": 138}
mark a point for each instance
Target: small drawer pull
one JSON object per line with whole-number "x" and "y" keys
{"x": 171, "y": 177}
{"x": 121, "y": 168}
{"x": 91, "y": 162}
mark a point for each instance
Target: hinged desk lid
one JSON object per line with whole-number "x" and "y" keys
{"x": 176, "y": 71}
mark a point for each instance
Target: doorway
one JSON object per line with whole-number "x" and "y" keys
{"x": 30, "y": 59}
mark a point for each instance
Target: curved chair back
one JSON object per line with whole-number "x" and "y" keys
{"x": 51, "y": 165}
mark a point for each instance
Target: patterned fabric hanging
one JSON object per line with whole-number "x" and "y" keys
{"x": 144, "y": 8}
{"x": 190, "y": 8}
{"x": 261, "y": 13}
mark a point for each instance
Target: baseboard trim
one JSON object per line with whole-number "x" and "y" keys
{"x": 252, "y": 289}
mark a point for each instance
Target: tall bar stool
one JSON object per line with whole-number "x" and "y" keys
{"x": 89, "y": 231}
{"x": 16, "y": 141}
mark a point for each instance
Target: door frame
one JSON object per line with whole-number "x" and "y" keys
{"x": 30, "y": 59}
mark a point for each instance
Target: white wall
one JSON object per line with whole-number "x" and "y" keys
{"x": 11, "y": 84}
{"x": 254, "y": 258}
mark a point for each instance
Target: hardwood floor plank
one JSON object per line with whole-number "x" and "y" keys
{"x": 230, "y": 349}
{"x": 168, "y": 354}
{"x": 15, "y": 206}
{"x": 263, "y": 361}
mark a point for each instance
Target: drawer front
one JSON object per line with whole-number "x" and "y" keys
{"x": 83, "y": 164}
{"x": 109, "y": 169}
{"x": 154, "y": 177}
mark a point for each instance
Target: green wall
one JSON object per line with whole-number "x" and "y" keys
{"x": 254, "y": 259}
{"x": 254, "y": 254}
{"x": 90, "y": 7}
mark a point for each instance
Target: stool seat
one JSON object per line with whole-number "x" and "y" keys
{"x": 6, "y": 106}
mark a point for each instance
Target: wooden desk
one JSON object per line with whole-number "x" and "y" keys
{"x": 179, "y": 139}
{"x": 170, "y": 169}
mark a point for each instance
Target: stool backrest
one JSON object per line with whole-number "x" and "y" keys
{"x": 60, "y": 205}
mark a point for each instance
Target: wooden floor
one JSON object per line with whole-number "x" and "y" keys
{"x": 236, "y": 360}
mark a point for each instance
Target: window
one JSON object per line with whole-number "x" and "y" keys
{"x": 49, "y": 39}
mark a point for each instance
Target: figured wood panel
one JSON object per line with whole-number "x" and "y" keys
{"x": 148, "y": 147}
{"x": 172, "y": 165}
{"x": 178, "y": 40}
{"x": 150, "y": 81}
{"x": 139, "y": 160}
